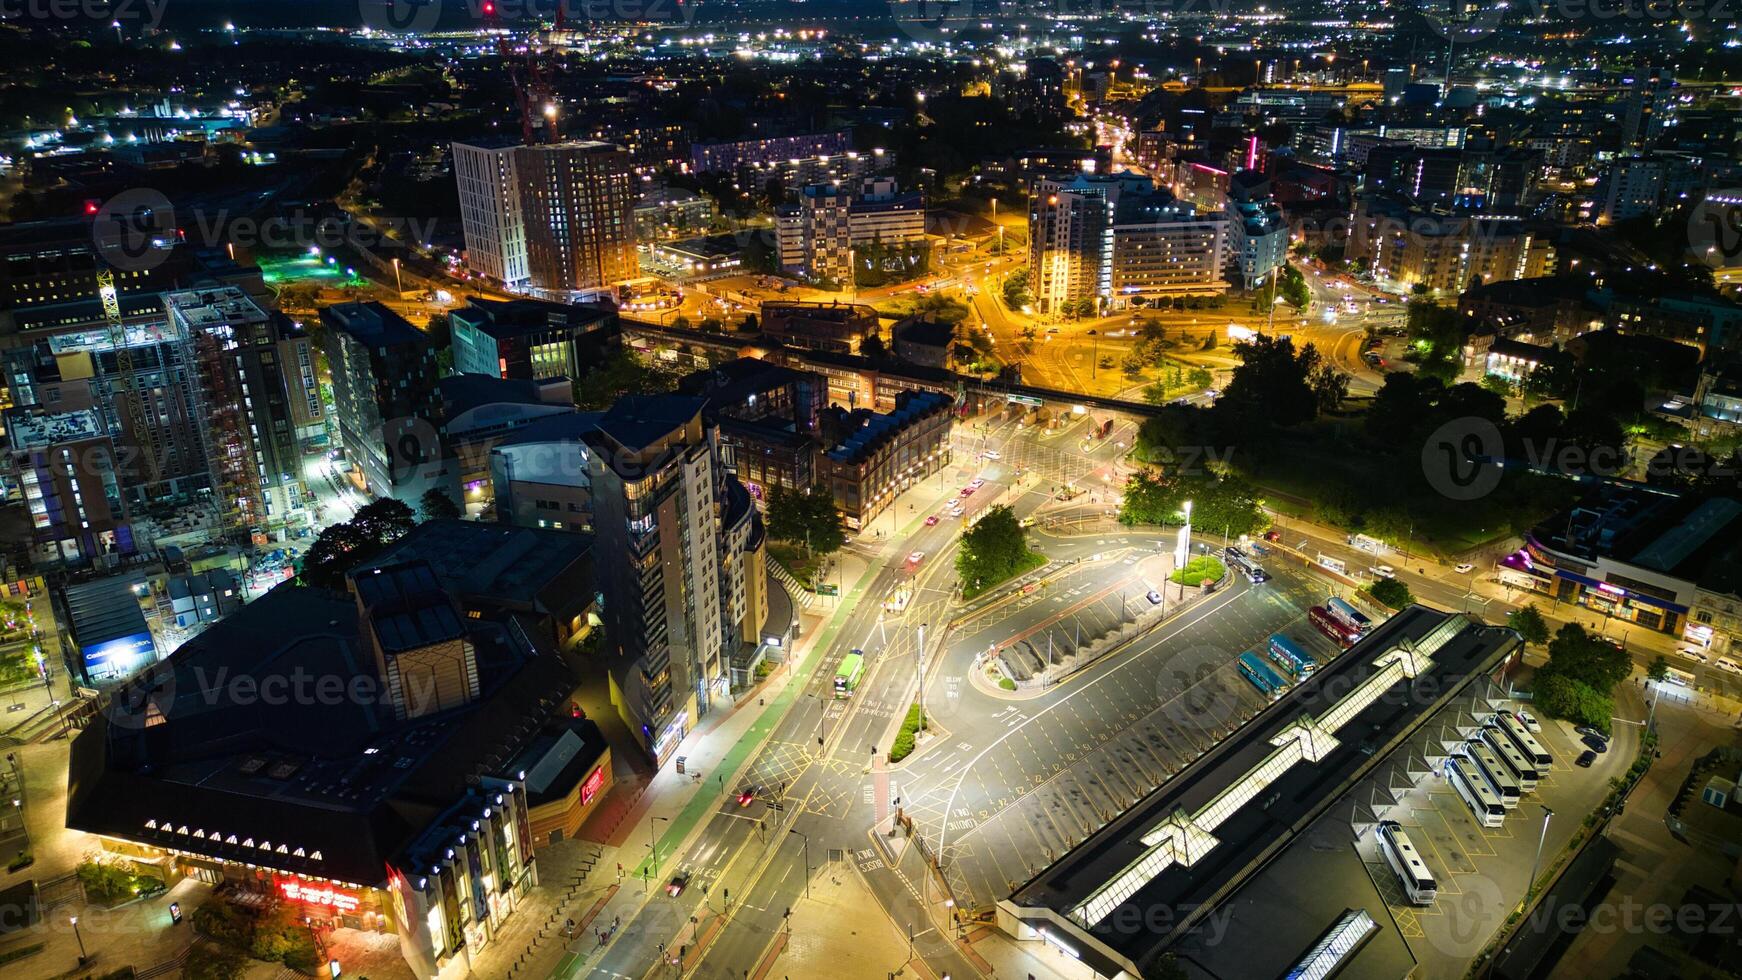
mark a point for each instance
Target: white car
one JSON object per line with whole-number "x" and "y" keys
{"x": 1465, "y": 568}
{"x": 916, "y": 558}
{"x": 1384, "y": 571}
{"x": 992, "y": 454}
{"x": 976, "y": 484}
{"x": 1529, "y": 721}
{"x": 1730, "y": 665}
{"x": 1694, "y": 653}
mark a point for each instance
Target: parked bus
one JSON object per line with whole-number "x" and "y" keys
{"x": 1499, "y": 777}
{"x": 1348, "y": 614}
{"x": 847, "y": 675}
{"x": 1522, "y": 769}
{"x": 1526, "y": 742}
{"x": 1343, "y": 634}
{"x": 1410, "y": 869}
{"x": 1261, "y": 677}
{"x": 1483, "y": 804}
{"x": 1289, "y": 654}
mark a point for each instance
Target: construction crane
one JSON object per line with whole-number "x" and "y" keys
{"x": 127, "y": 394}
{"x": 534, "y": 81}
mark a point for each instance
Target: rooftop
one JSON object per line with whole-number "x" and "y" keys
{"x": 1189, "y": 844}
{"x": 372, "y": 324}
{"x": 870, "y": 429}
{"x": 498, "y": 563}
{"x": 506, "y": 318}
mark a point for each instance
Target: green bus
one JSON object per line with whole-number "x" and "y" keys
{"x": 847, "y": 675}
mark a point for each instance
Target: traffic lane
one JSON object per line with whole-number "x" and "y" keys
{"x": 758, "y": 915}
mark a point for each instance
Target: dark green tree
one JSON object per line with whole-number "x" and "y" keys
{"x": 436, "y": 504}
{"x": 1529, "y": 625}
{"x": 806, "y": 517}
{"x": 994, "y": 549}
{"x": 1391, "y": 592}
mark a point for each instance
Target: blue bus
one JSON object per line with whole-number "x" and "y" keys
{"x": 1261, "y": 676}
{"x": 1348, "y": 614}
{"x": 1286, "y": 652}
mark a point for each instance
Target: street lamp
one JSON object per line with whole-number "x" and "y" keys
{"x": 82, "y": 956}
{"x": 397, "y": 283}
{"x": 1530, "y": 890}
{"x": 653, "y": 848}
{"x": 807, "y": 858}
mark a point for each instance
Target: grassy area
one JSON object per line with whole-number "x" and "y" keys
{"x": 904, "y": 738}
{"x": 791, "y": 557}
{"x": 1199, "y": 570}
{"x": 1034, "y": 560}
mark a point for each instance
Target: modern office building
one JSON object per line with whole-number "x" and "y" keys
{"x": 1115, "y": 239}
{"x": 784, "y": 179}
{"x": 554, "y": 218}
{"x": 833, "y": 224}
{"x": 532, "y": 340}
{"x": 1257, "y": 231}
{"x": 480, "y": 410}
{"x": 387, "y": 402}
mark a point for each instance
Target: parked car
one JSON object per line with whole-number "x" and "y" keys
{"x": 1595, "y": 744}
{"x": 1529, "y": 721}
{"x": 1464, "y": 568}
{"x": 1384, "y": 571}
{"x": 1154, "y": 597}
{"x": 1587, "y": 730}
{"x": 992, "y": 454}
{"x": 1694, "y": 653}
{"x": 1585, "y": 759}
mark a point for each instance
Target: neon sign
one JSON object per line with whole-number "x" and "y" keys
{"x": 313, "y": 894}
{"x": 591, "y": 787}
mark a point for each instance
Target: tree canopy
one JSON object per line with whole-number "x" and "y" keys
{"x": 807, "y": 517}
{"x": 994, "y": 549}
{"x": 1220, "y": 503}
{"x": 344, "y": 546}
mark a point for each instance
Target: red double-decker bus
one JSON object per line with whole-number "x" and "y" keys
{"x": 1344, "y": 634}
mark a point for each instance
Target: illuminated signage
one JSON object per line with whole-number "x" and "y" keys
{"x": 314, "y": 894}
{"x": 120, "y": 655}
{"x": 1611, "y": 589}
{"x": 591, "y": 787}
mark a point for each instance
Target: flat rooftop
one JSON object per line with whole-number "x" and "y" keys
{"x": 1126, "y": 894}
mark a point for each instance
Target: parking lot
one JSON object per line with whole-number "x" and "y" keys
{"x": 1038, "y": 776}
{"x": 1482, "y": 872}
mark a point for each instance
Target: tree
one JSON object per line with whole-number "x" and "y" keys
{"x": 1016, "y": 289}
{"x": 873, "y": 348}
{"x": 806, "y": 517}
{"x": 1201, "y": 377}
{"x": 385, "y": 520}
{"x": 994, "y": 549}
{"x": 1529, "y": 625}
{"x": 214, "y": 961}
{"x": 1499, "y": 384}
{"x": 1271, "y": 386}
{"x": 1561, "y": 696}
{"x": 435, "y": 504}
{"x": 617, "y": 375}
{"x": 1588, "y": 658}
{"x": 1658, "y": 669}
{"x": 1330, "y": 386}
{"x": 1391, "y": 592}
{"x": 348, "y": 544}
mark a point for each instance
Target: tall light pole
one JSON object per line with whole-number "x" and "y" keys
{"x": 653, "y": 849}
{"x": 922, "y": 677}
{"x": 807, "y": 858}
{"x": 397, "y": 282}
{"x": 1530, "y": 891}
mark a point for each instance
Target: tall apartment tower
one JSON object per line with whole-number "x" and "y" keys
{"x": 554, "y": 218}
{"x": 657, "y": 489}
{"x": 1118, "y": 238}
{"x": 490, "y": 211}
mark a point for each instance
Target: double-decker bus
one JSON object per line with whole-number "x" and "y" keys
{"x": 1483, "y": 804}
{"x": 1410, "y": 869}
{"x": 848, "y": 673}
{"x": 1523, "y": 769}
{"x": 1349, "y": 615}
{"x": 1526, "y": 742}
{"x": 1289, "y": 654}
{"x": 1261, "y": 676}
{"x": 1341, "y": 633}
{"x": 1499, "y": 777}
